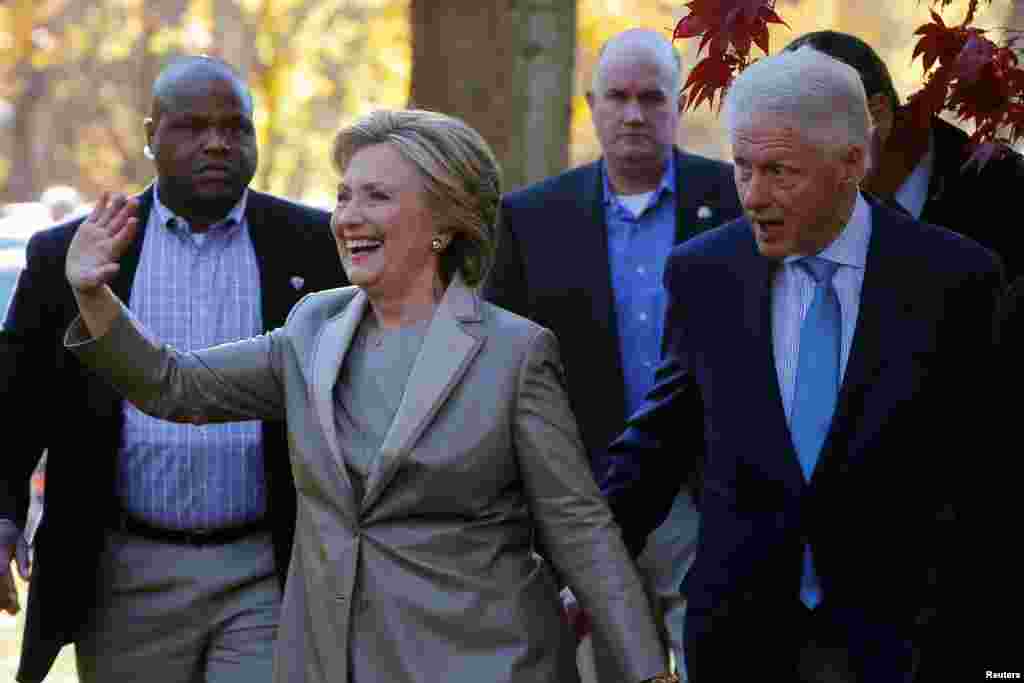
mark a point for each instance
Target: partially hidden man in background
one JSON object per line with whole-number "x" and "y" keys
{"x": 829, "y": 354}
{"x": 583, "y": 252}
{"x": 922, "y": 168}
{"x": 164, "y": 547}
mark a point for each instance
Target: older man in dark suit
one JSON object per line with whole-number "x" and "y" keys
{"x": 583, "y": 253}
{"x": 828, "y": 358}
{"x": 164, "y": 548}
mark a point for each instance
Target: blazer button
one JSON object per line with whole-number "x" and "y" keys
{"x": 339, "y": 598}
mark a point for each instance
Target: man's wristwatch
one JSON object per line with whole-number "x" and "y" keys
{"x": 664, "y": 678}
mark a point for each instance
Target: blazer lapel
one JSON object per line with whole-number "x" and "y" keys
{"x": 448, "y": 349}
{"x": 589, "y": 245}
{"x": 882, "y": 308}
{"x": 122, "y": 284}
{"x": 328, "y": 354}
{"x": 758, "y": 318}
{"x": 273, "y": 258}
{"x": 697, "y": 207}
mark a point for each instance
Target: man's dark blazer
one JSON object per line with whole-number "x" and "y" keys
{"x": 552, "y": 267}
{"x": 880, "y": 508}
{"x": 973, "y": 202}
{"x": 51, "y": 402}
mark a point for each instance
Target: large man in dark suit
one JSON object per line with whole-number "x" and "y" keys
{"x": 922, "y": 167}
{"x": 828, "y": 357}
{"x": 582, "y": 253}
{"x": 161, "y": 554}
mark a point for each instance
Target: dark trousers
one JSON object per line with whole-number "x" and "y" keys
{"x": 788, "y": 642}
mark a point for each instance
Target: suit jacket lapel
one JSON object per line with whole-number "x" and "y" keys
{"x": 450, "y": 345}
{"x": 757, "y": 312}
{"x": 329, "y": 351}
{"x": 882, "y": 308}
{"x": 590, "y": 244}
{"x": 694, "y": 212}
{"x": 125, "y": 277}
{"x": 277, "y": 295}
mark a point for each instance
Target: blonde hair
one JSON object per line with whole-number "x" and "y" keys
{"x": 462, "y": 179}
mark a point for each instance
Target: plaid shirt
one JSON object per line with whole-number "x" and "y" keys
{"x": 193, "y": 291}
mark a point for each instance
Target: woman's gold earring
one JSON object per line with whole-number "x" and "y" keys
{"x": 436, "y": 244}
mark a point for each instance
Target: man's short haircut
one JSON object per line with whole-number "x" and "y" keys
{"x": 874, "y": 74}
{"x": 822, "y": 97}
{"x": 173, "y": 76}
{"x": 653, "y": 41}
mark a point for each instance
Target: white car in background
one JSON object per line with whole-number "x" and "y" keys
{"x": 18, "y": 222}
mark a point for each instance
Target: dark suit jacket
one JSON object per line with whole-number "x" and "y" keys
{"x": 50, "y": 401}
{"x": 976, "y": 203}
{"x": 552, "y": 267}
{"x": 880, "y": 506}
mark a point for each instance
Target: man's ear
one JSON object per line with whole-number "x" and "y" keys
{"x": 882, "y": 115}
{"x": 590, "y": 100}
{"x": 854, "y": 163}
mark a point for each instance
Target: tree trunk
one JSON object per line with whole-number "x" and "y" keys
{"x": 23, "y": 181}
{"x": 506, "y": 68}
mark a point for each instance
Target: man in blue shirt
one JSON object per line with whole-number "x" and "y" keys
{"x": 583, "y": 252}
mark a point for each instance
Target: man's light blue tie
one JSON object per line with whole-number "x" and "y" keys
{"x": 817, "y": 388}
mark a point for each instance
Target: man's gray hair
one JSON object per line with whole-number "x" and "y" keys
{"x": 822, "y": 97}
{"x": 656, "y": 45}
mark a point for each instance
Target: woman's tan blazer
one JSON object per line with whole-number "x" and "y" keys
{"x": 431, "y": 577}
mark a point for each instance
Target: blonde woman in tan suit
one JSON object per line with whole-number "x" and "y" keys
{"x": 432, "y": 443}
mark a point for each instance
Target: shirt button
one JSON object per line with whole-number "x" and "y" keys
{"x": 643, "y": 317}
{"x": 641, "y": 270}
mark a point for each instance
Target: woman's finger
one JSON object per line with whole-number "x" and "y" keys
{"x": 124, "y": 236}
{"x": 118, "y": 219}
{"x": 113, "y": 206}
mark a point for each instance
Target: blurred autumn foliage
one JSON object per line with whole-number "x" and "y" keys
{"x": 75, "y": 79}
{"x": 965, "y": 72}
{"x": 75, "y": 74}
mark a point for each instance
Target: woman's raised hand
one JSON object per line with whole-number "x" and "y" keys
{"x": 100, "y": 242}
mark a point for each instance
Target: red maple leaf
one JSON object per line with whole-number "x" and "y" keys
{"x": 708, "y": 77}
{"x": 938, "y": 42}
{"x": 976, "y": 55}
{"x": 728, "y": 29}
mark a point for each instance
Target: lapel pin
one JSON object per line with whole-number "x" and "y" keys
{"x": 703, "y": 212}
{"x": 297, "y": 282}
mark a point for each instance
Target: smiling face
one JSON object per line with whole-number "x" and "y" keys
{"x": 797, "y": 195}
{"x": 204, "y": 143}
{"x": 383, "y": 226}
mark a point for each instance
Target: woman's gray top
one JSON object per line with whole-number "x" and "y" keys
{"x": 369, "y": 390}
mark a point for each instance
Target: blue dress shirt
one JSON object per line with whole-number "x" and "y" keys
{"x": 194, "y": 291}
{"x": 638, "y": 247}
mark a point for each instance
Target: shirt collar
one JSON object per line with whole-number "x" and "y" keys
{"x": 229, "y": 223}
{"x": 913, "y": 193}
{"x": 667, "y": 184}
{"x": 850, "y": 248}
